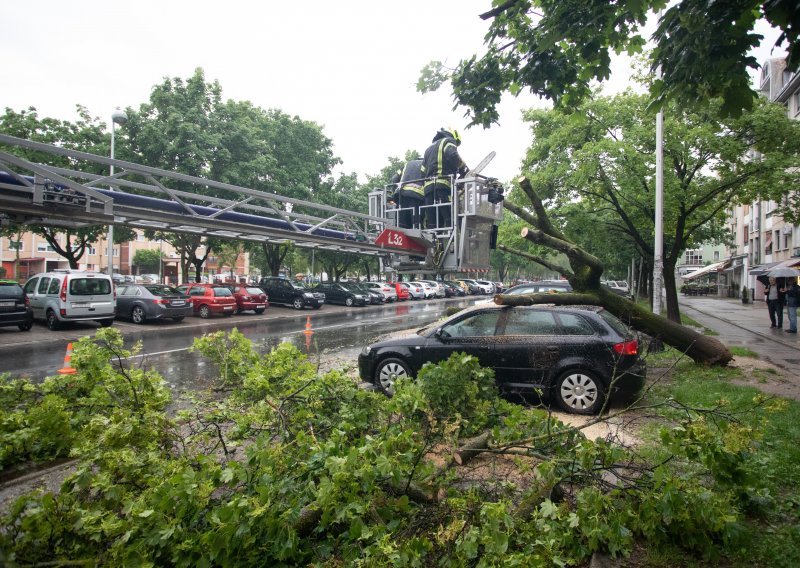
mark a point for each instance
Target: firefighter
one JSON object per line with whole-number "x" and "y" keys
{"x": 440, "y": 165}
{"x": 410, "y": 194}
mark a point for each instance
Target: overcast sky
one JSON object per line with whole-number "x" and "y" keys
{"x": 350, "y": 66}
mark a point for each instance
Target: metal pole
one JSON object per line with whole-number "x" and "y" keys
{"x": 111, "y": 227}
{"x": 160, "y": 260}
{"x": 658, "y": 248}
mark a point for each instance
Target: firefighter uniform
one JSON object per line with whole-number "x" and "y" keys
{"x": 441, "y": 163}
{"x": 410, "y": 195}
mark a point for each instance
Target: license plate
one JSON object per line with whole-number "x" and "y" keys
{"x": 7, "y": 303}
{"x": 228, "y": 307}
{"x": 261, "y": 306}
{"x": 80, "y": 304}
{"x": 178, "y": 303}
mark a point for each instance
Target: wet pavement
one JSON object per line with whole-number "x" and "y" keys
{"x": 747, "y": 325}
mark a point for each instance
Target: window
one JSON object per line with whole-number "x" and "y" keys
{"x": 92, "y": 250}
{"x": 694, "y": 256}
{"x": 44, "y": 247}
{"x": 796, "y": 102}
{"x": 14, "y": 245}
{"x": 44, "y": 283}
{"x": 89, "y": 286}
{"x": 55, "y": 287}
{"x": 573, "y": 324}
{"x": 483, "y": 324}
{"x": 30, "y": 286}
{"x": 531, "y": 322}
{"x": 716, "y": 256}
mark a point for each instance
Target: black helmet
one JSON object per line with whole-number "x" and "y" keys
{"x": 448, "y": 133}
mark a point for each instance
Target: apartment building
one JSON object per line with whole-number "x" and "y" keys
{"x": 763, "y": 240}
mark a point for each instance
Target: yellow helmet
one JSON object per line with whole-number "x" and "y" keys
{"x": 448, "y": 133}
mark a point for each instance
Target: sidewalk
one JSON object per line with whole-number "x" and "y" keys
{"x": 747, "y": 325}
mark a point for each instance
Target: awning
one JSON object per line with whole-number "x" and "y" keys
{"x": 29, "y": 260}
{"x": 711, "y": 268}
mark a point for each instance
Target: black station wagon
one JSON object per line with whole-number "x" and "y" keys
{"x": 578, "y": 355}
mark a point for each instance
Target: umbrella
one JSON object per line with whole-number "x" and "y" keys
{"x": 784, "y": 272}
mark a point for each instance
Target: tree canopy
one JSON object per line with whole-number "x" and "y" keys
{"x": 556, "y": 48}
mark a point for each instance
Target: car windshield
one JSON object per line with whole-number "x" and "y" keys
{"x": 297, "y": 285}
{"x": 162, "y": 290}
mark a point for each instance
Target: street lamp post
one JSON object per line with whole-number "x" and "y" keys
{"x": 117, "y": 117}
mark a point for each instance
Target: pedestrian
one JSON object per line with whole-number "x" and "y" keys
{"x": 410, "y": 195}
{"x": 791, "y": 294}
{"x": 774, "y": 296}
{"x": 441, "y": 163}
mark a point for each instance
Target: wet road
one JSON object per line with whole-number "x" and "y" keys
{"x": 165, "y": 345}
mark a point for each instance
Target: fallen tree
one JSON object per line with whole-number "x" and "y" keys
{"x": 584, "y": 274}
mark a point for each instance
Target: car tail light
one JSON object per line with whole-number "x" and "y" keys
{"x": 627, "y": 348}
{"x": 27, "y": 302}
{"x": 63, "y": 294}
{"x": 161, "y": 301}
{"x": 63, "y": 312}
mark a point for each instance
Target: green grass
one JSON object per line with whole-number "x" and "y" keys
{"x": 742, "y": 352}
{"x": 771, "y": 541}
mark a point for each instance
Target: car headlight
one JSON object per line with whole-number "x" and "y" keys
{"x": 308, "y": 295}
{"x": 366, "y": 351}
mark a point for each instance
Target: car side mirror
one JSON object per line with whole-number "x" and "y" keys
{"x": 442, "y": 334}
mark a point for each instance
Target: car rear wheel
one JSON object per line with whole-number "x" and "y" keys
{"x": 107, "y": 322}
{"x": 349, "y": 302}
{"x": 204, "y": 312}
{"x": 388, "y": 371}
{"x": 579, "y": 392}
{"x": 178, "y": 320}
{"x": 137, "y": 315}
{"x": 259, "y": 311}
{"x": 25, "y": 326}
{"x": 298, "y": 303}
{"x": 52, "y": 321}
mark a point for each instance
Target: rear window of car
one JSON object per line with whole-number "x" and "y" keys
{"x": 531, "y": 322}
{"x": 615, "y": 324}
{"x": 161, "y": 290}
{"x": 254, "y": 290}
{"x": 219, "y": 291}
{"x": 89, "y": 286}
{"x": 10, "y": 289}
{"x": 573, "y": 324}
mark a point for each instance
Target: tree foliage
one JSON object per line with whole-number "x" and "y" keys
{"x": 297, "y": 468}
{"x": 596, "y": 168}
{"x": 556, "y": 48}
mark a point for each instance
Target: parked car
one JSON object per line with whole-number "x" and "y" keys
{"x": 338, "y": 293}
{"x": 402, "y": 291}
{"x": 415, "y": 290}
{"x": 249, "y": 298}
{"x": 578, "y": 355}
{"x": 208, "y": 299}
{"x": 427, "y": 291}
{"x": 499, "y": 287}
{"x": 63, "y": 296}
{"x": 451, "y": 289}
{"x": 472, "y": 286}
{"x": 284, "y": 291}
{"x": 549, "y": 286}
{"x": 438, "y": 289}
{"x": 384, "y": 288}
{"x": 486, "y": 286}
{"x": 373, "y": 296}
{"x": 142, "y": 302}
{"x": 15, "y": 308}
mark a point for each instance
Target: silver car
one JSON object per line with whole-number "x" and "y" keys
{"x": 438, "y": 289}
{"x": 415, "y": 290}
{"x": 388, "y": 290}
{"x": 63, "y": 296}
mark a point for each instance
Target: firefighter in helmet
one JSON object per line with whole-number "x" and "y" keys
{"x": 410, "y": 195}
{"x": 440, "y": 165}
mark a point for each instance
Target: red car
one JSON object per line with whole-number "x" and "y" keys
{"x": 209, "y": 299}
{"x": 402, "y": 291}
{"x": 249, "y": 298}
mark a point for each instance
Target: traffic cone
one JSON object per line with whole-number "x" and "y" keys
{"x": 68, "y": 369}
{"x": 308, "y": 330}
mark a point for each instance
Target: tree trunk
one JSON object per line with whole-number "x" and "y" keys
{"x": 700, "y": 348}
{"x": 671, "y": 291}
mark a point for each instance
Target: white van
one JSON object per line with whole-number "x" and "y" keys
{"x": 72, "y": 295}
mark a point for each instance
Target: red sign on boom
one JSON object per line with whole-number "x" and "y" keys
{"x": 390, "y": 238}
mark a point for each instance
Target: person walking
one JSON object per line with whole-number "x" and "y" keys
{"x": 791, "y": 294}
{"x": 441, "y": 163}
{"x": 774, "y": 296}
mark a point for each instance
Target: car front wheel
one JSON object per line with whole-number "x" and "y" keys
{"x": 259, "y": 311}
{"x": 579, "y": 392}
{"x": 298, "y": 303}
{"x": 349, "y": 302}
{"x": 137, "y": 315}
{"x": 25, "y": 326}
{"x": 204, "y": 312}
{"x": 388, "y": 371}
